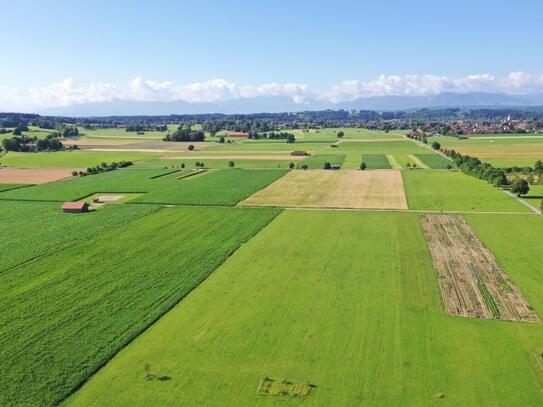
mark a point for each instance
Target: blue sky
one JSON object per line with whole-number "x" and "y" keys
{"x": 253, "y": 43}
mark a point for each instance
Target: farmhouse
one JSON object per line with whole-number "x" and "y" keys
{"x": 237, "y": 134}
{"x": 299, "y": 153}
{"x": 75, "y": 207}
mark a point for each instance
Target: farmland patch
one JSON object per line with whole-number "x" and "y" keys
{"x": 471, "y": 282}
{"x": 434, "y": 161}
{"x": 376, "y": 161}
{"x": 455, "y": 191}
{"x": 334, "y": 189}
{"x": 65, "y": 314}
{"x": 225, "y": 187}
{"x": 32, "y": 175}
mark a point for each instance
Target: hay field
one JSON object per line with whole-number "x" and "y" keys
{"x": 32, "y": 175}
{"x": 334, "y": 189}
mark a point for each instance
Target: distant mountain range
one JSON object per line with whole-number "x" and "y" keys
{"x": 276, "y": 104}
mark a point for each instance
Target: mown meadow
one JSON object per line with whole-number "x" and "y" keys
{"x": 455, "y": 191}
{"x": 65, "y": 314}
{"x": 350, "y": 307}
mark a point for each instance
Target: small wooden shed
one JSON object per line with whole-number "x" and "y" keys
{"x": 75, "y": 207}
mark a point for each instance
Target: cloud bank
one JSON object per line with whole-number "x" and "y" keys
{"x": 67, "y": 92}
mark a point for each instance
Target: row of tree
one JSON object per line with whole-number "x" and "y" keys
{"x": 103, "y": 167}
{"x": 29, "y": 144}
{"x": 485, "y": 171}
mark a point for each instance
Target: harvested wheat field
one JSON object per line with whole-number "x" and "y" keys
{"x": 32, "y": 175}
{"x": 471, "y": 281}
{"x": 334, "y": 189}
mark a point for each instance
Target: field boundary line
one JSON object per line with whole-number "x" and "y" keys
{"x": 129, "y": 341}
{"x": 522, "y": 201}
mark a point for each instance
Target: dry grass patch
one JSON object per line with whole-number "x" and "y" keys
{"x": 32, "y": 175}
{"x": 470, "y": 279}
{"x": 334, "y": 189}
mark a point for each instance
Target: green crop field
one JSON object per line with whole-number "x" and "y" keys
{"x": 355, "y": 317}
{"x": 376, "y": 161}
{"x": 318, "y": 161}
{"x": 32, "y": 229}
{"x": 435, "y": 161}
{"x": 222, "y": 187}
{"x": 455, "y": 191}
{"x": 64, "y": 315}
{"x": 72, "y": 159}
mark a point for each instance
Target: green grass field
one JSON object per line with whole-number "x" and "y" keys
{"x": 435, "y": 161}
{"x": 317, "y": 161}
{"x": 356, "y": 314}
{"x": 222, "y": 187}
{"x": 376, "y": 161}
{"x": 71, "y": 159}
{"x": 32, "y": 229}
{"x": 64, "y": 315}
{"x": 455, "y": 191}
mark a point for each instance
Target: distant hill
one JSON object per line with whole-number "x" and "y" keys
{"x": 276, "y": 104}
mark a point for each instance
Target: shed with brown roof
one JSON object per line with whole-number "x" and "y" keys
{"x": 75, "y": 207}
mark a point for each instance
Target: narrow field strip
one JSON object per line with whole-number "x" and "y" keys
{"x": 471, "y": 281}
{"x": 63, "y": 316}
{"x": 393, "y": 163}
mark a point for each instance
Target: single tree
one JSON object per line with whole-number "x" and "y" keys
{"x": 291, "y": 138}
{"x": 304, "y": 167}
{"x": 327, "y": 165}
{"x": 340, "y": 134}
{"x": 538, "y": 165}
{"x": 436, "y": 145}
{"x": 190, "y": 147}
{"x": 520, "y": 186}
{"x": 291, "y": 166}
{"x": 231, "y": 164}
{"x": 363, "y": 166}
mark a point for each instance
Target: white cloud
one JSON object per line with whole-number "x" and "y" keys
{"x": 68, "y": 93}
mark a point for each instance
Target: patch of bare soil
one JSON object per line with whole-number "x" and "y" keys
{"x": 32, "y": 175}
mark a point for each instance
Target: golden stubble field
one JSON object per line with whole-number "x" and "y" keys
{"x": 379, "y": 189}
